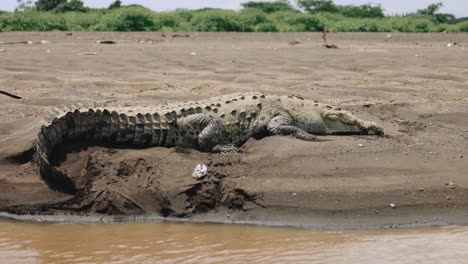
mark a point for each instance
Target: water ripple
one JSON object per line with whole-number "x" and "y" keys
{"x": 194, "y": 243}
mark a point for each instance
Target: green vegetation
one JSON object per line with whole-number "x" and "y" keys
{"x": 280, "y": 16}
{"x": 270, "y": 7}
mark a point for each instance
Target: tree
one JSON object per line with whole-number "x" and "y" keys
{"x": 116, "y": 4}
{"x": 23, "y": 5}
{"x": 72, "y": 6}
{"x": 316, "y": 6}
{"x": 270, "y": 7}
{"x": 48, "y": 5}
{"x": 362, "y": 11}
{"x": 431, "y": 9}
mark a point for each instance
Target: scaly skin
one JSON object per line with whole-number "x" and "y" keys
{"x": 217, "y": 124}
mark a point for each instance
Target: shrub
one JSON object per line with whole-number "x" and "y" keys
{"x": 250, "y": 18}
{"x": 78, "y": 21}
{"x": 115, "y": 5}
{"x": 48, "y": 5}
{"x": 216, "y": 20}
{"x": 362, "y": 11}
{"x": 32, "y": 20}
{"x": 269, "y": 7}
{"x": 266, "y": 27}
{"x": 317, "y": 6}
{"x": 463, "y": 26}
{"x": 128, "y": 19}
{"x": 296, "y": 22}
{"x": 168, "y": 20}
{"x": 72, "y": 6}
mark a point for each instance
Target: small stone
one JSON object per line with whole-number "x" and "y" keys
{"x": 393, "y": 206}
{"x": 451, "y": 185}
{"x": 193, "y": 53}
{"x": 47, "y": 51}
{"x": 294, "y": 194}
{"x": 421, "y": 189}
{"x": 2, "y": 50}
{"x": 44, "y": 42}
{"x": 447, "y": 198}
{"x": 361, "y": 145}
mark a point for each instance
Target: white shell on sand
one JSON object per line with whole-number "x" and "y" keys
{"x": 199, "y": 171}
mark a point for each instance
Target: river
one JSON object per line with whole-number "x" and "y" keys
{"x": 209, "y": 243}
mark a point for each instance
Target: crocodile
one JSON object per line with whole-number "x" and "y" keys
{"x": 219, "y": 124}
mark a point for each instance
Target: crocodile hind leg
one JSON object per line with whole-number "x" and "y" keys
{"x": 282, "y": 125}
{"x": 209, "y": 132}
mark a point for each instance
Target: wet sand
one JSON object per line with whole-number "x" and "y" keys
{"x": 415, "y": 85}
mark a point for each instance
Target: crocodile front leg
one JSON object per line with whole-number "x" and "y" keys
{"x": 207, "y": 131}
{"x": 282, "y": 125}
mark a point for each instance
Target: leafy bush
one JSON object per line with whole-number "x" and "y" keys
{"x": 48, "y": 5}
{"x": 296, "y": 22}
{"x": 32, "y": 20}
{"x": 169, "y": 21}
{"x": 116, "y": 4}
{"x": 78, "y": 21}
{"x": 133, "y": 18}
{"x": 71, "y": 6}
{"x": 137, "y": 18}
{"x": 317, "y": 6}
{"x": 266, "y": 27}
{"x": 269, "y": 7}
{"x": 216, "y": 20}
{"x": 250, "y": 18}
{"x": 362, "y": 11}
{"x": 463, "y": 26}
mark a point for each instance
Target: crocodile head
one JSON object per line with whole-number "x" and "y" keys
{"x": 343, "y": 122}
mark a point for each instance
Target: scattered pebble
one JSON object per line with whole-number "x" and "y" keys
{"x": 294, "y": 194}
{"x": 47, "y": 51}
{"x": 44, "y": 42}
{"x": 393, "y": 206}
{"x": 294, "y": 42}
{"x": 451, "y": 185}
{"x": 2, "y": 50}
{"x": 105, "y": 42}
{"x": 193, "y": 53}
{"x": 199, "y": 171}
{"x": 88, "y": 53}
{"x": 361, "y": 145}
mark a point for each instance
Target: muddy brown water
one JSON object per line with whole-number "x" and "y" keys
{"x": 205, "y": 243}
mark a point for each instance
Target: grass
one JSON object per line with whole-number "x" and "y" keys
{"x": 137, "y": 18}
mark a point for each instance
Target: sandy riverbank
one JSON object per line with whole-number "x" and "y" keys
{"x": 415, "y": 85}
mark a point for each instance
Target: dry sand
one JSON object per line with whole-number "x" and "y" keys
{"x": 415, "y": 85}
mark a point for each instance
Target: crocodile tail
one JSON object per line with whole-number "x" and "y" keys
{"x": 61, "y": 125}
{"x": 99, "y": 125}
